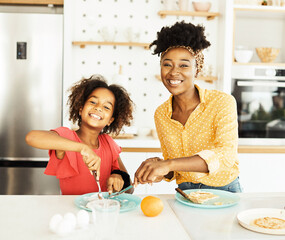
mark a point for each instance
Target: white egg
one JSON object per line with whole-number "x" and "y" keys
{"x": 71, "y": 219}
{"x": 54, "y": 222}
{"x": 64, "y": 228}
{"x": 82, "y": 218}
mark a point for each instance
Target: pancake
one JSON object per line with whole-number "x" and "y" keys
{"x": 269, "y": 223}
{"x": 201, "y": 196}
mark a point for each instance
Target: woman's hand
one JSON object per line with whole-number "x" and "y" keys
{"x": 91, "y": 159}
{"x": 115, "y": 183}
{"x": 151, "y": 170}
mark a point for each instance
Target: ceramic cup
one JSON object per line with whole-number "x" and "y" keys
{"x": 183, "y": 5}
{"x": 108, "y": 33}
{"x": 133, "y": 34}
{"x": 168, "y": 5}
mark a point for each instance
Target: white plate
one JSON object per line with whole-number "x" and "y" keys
{"x": 246, "y": 217}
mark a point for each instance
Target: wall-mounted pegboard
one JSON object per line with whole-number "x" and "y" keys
{"x": 124, "y": 21}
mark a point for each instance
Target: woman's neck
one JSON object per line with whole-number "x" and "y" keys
{"x": 186, "y": 102}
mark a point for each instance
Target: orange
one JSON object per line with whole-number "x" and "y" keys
{"x": 151, "y": 206}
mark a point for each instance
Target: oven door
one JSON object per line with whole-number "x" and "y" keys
{"x": 261, "y": 108}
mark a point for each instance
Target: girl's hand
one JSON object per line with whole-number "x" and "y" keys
{"x": 91, "y": 159}
{"x": 115, "y": 183}
{"x": 151, "y": 170}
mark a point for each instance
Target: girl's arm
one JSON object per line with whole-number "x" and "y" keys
{"x": 116, "y": 182}
{"x": 51, "y": 140}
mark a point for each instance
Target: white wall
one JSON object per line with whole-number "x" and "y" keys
{"x": 85, "y": 19}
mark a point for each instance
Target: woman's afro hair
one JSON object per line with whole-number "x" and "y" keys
{"x": 82, "y": 89}
{"x": 180, "y": 34}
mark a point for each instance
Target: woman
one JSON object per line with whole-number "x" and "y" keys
{"x": 197, "y": 128}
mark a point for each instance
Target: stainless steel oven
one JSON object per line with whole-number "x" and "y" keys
{"x": 260, "y": 96}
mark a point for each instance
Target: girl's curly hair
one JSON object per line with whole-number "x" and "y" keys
{"x": 82, "y": 89}
{"x": 180, "y": 34}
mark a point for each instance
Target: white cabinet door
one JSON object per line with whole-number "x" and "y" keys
{"x": 262, "y": 172}
{"x": 133, "y": 160}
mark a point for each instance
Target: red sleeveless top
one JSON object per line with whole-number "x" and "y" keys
{"x": 74, "y": 176}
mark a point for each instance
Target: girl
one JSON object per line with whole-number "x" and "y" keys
{"x": 98, "y": 109}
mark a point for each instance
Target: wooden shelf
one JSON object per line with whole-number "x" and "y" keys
{"x": 260, "y": 64}
{"x": 209, "y": 79}
{"x": 33, "y": 2}
{"x": 82, "y": 44}
{"x": 208, "y": 15}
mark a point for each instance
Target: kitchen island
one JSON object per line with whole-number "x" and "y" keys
{"x": 27, "y": 217}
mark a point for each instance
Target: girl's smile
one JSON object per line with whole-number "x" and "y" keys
{"x": 95, "y": 116}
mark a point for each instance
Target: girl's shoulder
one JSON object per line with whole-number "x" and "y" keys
{"x": 106, "y": 138}
{"x": 65, "y": 132}
{"x": 107, "y": 142}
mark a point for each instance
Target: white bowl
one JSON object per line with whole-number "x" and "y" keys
{"x": 201, "y": 6}
{"x": 243, "y": 56}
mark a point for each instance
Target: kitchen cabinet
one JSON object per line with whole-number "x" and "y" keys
{"x": 262, "y": 172}
{"x": 132, "y": 161}
{"x": 261, "y": 168}
{"x": 259, "y": 26}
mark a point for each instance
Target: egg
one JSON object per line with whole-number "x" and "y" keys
{"x": 71, "y": 219}
{"x": 54, "y": 222}
{"x": 64, "y": 228}
{"x": 82, "y": 218}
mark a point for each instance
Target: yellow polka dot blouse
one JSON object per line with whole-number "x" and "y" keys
{"x": 211, "y": 132}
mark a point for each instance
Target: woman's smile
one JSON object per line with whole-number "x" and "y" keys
{"x": 174, "y": 82}
{"x": 178, "y": 71}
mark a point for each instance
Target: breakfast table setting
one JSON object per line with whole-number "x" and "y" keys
{"x": 226, "y": 217}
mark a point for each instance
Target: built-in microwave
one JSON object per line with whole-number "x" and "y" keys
{"x": 260, "y": 95}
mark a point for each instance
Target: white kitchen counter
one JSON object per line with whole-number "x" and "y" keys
{"x": 222, "y": 224}
{"x": 27, "y": 217}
